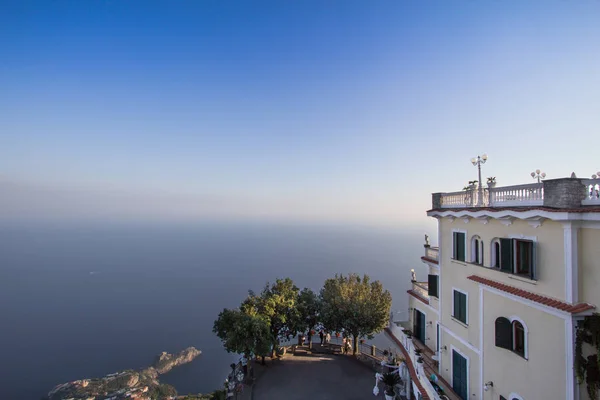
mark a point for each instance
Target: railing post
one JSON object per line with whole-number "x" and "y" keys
{"x": 373, "y": 350}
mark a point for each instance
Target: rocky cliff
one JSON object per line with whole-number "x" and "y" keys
{"x": 166, "y": 362}
{"x": 128, "y": 384}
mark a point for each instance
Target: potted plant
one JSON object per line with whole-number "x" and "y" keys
{"x": 385, "y": 353}
{"x": 473, "y": 185}
{"x": 491, "y": 181}
{"x": 390, "y": 380}
{"x": 337, "y": 334}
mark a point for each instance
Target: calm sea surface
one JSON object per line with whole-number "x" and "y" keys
{"x": 80, "y": 302}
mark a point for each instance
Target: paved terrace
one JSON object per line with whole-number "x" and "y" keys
{"x": 315, "y": 376}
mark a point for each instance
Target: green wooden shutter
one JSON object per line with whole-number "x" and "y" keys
{"x": 433, "y": 285}
{"x": 463, "y": 307}
{"x": 454, "y": 245}
{"x": 506, "y": 255}
{"x": 503, "y": 333}
{"x": 533, "y": 268}
{"x": 461, "y": 246}
{"x": 460, "y": 306}
{"x": 456, "y": 309}
{"x": 459, "y": 375}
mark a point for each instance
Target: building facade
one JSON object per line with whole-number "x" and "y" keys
{"x": 516, "y": 272}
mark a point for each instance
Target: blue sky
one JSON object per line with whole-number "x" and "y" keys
{"x": 296, "y": 110}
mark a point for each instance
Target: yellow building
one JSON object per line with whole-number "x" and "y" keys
{"x": 517, "y": 269}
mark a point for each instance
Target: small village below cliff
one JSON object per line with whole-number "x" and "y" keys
{"x": 130, "y": 384}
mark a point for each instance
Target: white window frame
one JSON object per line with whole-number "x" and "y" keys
{"x": 524, "y": 238}
{"x": 495, "y": 258}
{"x": 424, "y": 317}
{"x": 526, "y": 329}
{"x": 463, "y": 355}
{"x": 466, "y": 306}
{"x": 476, "y": 249}
{"x": 466, "y": 248}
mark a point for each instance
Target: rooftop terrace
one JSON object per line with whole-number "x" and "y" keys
{"x": 564, "y": 193}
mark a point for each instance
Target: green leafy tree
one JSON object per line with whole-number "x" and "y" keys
{"x": 243, "y": 333}
{"x": 277, "y": 306}
{"x": 308, "y": 311}
{"x": 355, "y": 305}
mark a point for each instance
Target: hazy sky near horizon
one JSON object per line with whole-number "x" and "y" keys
{"x": 296, "y": 110}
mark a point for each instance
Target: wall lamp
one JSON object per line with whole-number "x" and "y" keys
{"x": 488, "y": 385}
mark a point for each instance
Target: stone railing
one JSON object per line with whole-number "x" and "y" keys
{"x": 507, "y": 196}
{"x": 422, "y": 288}
{"x": 592, "y": 196}
{"x": 409, "y": 346}
{"x": 519, "y": 195}
{"x": 433, "y": 253}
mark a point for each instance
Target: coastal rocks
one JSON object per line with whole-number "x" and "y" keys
{"x": 166, "y": 362}
{"x": 128, "y": 384}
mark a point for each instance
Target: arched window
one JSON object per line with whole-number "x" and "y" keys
{"x": 518, "y": 338}
{"x": 495, "y": 253}
{"x": 476, "y": 250}
{"x": 511, "y": 334}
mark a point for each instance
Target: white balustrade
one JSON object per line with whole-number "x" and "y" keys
{"x": 519, "y": 195}
{"x": 422, "y": 288}
{"x": 458, "y": 199}
{"x": 433, "y": 253}
{"x": 410, "y": 349}
{"x": 592, "y": 192}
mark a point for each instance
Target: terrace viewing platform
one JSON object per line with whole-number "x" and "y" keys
{"x": 564, "y": 193}
{"x": 420, "y": 290}
{"x": 432, "y": 254}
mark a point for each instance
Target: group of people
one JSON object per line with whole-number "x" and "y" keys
{"x": 325, "y": 337}
{"x": 346, "y": 345}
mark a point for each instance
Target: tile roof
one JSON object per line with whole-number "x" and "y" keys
{"x": 547, "y": 301}
{"x": 409, "y": 364}
{"x": 431, "y": 260}
{"x": 417, "y": 296}
{"x": 583, "y": 209}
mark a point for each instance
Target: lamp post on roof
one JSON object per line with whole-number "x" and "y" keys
{"x": 596, "y": 175}
{"x": 477, "y": 162}
{"x": 538, "y": 175}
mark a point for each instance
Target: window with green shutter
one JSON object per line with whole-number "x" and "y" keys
{"x": 433, "y": 283}
{"x": 458, "y": 243}
{"x": 460, "y": 306}
{"x": 504, "y": 333}
{"x": 517, "y": 257}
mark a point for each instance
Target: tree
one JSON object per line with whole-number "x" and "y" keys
{"x": 277, "y": 306}
{"x": 355, "y": 305}
{"x": 308, "y": 312}
{"x": 243, "y": 333}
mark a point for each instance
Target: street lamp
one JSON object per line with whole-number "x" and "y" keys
{"x": 596, "y": 175}
{"x": 477, "y": 162}
{"x": 537, "y": 175}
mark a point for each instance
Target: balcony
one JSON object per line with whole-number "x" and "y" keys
{"x": 420, "y": 290}
{"x": 508, "y": 196}
{"x": 564, "y": 193}
{"x": 421, "y": 372}
{"x": 592, "y": 192}
{"x": 432, "y": 254}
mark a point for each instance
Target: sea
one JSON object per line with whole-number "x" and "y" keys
{"x": 85, "y": 300}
